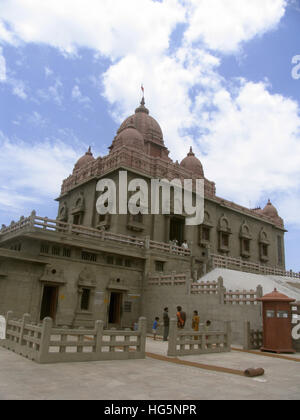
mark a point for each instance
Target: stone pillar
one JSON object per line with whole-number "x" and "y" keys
{"x": 99, "y": 325}
{"x": 259, "y": 291}
{"x": 147, "y": 242}
{"x": 221, "y": 290}
{"x": 9, "y": 317}
{"x": 25, "y": 320}
{"x": 45, "y": 340}
{"x": 172, "y": 337}
{"x": 142, "y": 329}
{"x": 32, "y": 220}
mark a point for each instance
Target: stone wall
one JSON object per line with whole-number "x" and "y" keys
{"x": 210, "y": 306}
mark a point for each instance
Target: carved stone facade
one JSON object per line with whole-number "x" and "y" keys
{"x": 83, "y": 266}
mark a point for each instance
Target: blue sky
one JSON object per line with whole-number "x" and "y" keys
{"x": 217, "y": 76}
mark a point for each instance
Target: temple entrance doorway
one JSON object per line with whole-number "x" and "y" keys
{"x": 49, "y": 302}
{"x": 177, "y": 229}
{"x": 115, "y": 306}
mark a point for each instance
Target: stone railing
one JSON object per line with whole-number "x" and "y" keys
{"x": 47, "y": 344}
{"x": 45, "y": 224}
{"x": 253, "y": 339}
{"x": 243, "y": 297}
{"x": 171, "y": 279}
{"x": 220, "y": 261}
{"x": 170, "y": 248}
{"x": 237, "y": 297}
{"x": 183, "y": 342}
{"x": 207, "y": 287}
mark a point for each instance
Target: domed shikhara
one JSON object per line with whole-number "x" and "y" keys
{"x": 84, "y": 160}
{"x": 270, "y": 211}
{"x": 193, "y": 164}
{"x": 146, "y": 125}
{"x": 143, "y": 133}
{"x": 129, "y": 136}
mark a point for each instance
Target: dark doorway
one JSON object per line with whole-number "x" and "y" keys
{"x": 49, "y": 302}
{"x": 114, "y": 315}
{"x": 177, "y": 229}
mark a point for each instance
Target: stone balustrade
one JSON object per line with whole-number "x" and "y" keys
{"x": 243, "y": 297}
{"x": 220, "y": 261}
{"x": 35, "y": 222}
{"x": 171, "y": 279}
{"x": 46, "y": 343}
{"x": 253, "y": 338}
{"x": 189, "y": 342}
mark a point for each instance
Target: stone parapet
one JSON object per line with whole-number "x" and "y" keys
{"x": 45, "y": 343}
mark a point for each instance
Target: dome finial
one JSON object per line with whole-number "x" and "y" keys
{"x": 143, "y": 98}
{"x": 191, "y": 153}
{"x": 142, "y": 107}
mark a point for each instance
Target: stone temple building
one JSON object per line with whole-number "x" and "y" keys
{"x": 85, "y": 266}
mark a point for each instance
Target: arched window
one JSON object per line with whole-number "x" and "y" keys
{"x": 264, "y": 244}
{"x": 245, "y": 240}
{"x": 224, "y": 232}
{"x": 205, "y": 230}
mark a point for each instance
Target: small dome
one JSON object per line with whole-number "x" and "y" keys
{"x": 84, "y": 160}
{"x": 193, "y": 164}
{"x": 270, "y": 210}
{"x": 130, "y": 137}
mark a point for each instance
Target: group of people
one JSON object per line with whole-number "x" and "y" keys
{"x": 183, "y": 245}
{"x": 175, "y": 244}
{"x": 181, "y": 321}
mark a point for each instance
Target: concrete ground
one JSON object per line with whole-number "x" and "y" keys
{"x": 150, "y": 379}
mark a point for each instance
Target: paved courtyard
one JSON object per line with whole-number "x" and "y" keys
{"x": 155, "y": 378}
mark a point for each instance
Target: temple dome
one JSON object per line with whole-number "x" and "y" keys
{"x": 270, "y": 210}
{"x": 146, "y": 125}
{"x": 193, "y": 164}
{"x": 84, "y": 160}
{"x": 130, "y": 137}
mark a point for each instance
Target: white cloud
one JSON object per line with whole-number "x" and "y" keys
{"x": 13, "y": 202}
{"x": 36, "y": 119}
{"x": 118, "y": 28}
{"x": 224, "y": 24}
{"x": 2, "y": 67}
{"x": 48, "y": 71}
{"x": 255, "y": 136}
{"x": 18, "y": 88}
{"x": 41, "y": 169}
{"x": 78, "y": 96}
{"x": 53, "y": 93}
{"x": 113, "y": 28}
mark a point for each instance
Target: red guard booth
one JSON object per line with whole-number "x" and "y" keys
{"x": 277, "y": 322}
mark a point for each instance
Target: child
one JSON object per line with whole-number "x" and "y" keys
{"x": 155, "y": 327}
